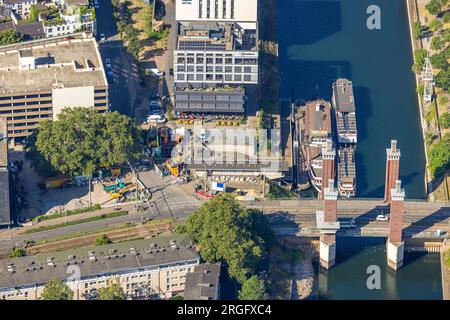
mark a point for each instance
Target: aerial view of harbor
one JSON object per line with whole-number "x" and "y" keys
{"x": 248, "y": 151}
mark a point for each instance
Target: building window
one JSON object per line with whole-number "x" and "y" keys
{"x": 200, "y": 8}
{"x": 208, "y": 9}
{"x": 232, "y": 9}
{"x": 224, "y": 11}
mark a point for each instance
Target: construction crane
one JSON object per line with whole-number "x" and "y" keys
{"x": 428, "y": 79}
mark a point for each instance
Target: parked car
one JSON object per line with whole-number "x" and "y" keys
{"x": 155, "y": 105}
{"x": 102, "y": 37}
{"x": 156, "y": 118}
{"x": 156, "y": 72}
{"x": 108, "y": 63}
{"x": 382, "y": 217}
{"x": 171, "y": 72}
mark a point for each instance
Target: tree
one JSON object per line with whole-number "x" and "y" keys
{"x": 417, "y": 30}
{"x": 57, "y": 290}
{"x": 437, "y": 43}
{"x": 419, "y": 58}
{"x": 18, "y": 252}
{"x": 10, "y": 36}
{"x": 253, "y": 288}
{"x": 439, "y": 156}
{"x": 446, "y": 17}
{"x": 226, "y": 231}
{"x": 102, "y": 240}
{"x": 435, "y": 25}
{"x": 38, "y": 162}
{"x": 112, "y": 292}
{"x": 439, "y": 61}
{"x": 444, "y": 120}
{"x": 443, "y": 99}
{"x": 443, "y": 80}
{"x": 82, "y": 141}
{"x": 434, "y": 7}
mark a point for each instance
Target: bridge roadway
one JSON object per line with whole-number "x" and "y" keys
{"x": 294, "y": 217}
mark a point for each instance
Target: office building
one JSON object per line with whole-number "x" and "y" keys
{"x": 42, "y": 77}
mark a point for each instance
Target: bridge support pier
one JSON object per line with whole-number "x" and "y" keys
{"x": 327, "y": 251}
{"x": 395, "y": 244}
{"x": 328, "y": 225}
{"x": 395, "y": 253}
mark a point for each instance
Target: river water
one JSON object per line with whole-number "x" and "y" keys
{"x": 419, "y": 278}
{"x": 322, "y": 40}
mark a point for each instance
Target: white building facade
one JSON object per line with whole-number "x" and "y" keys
{"x": 217, "y": 10}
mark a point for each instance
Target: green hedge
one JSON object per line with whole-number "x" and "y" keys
{"x": 67, "y": 213}
{"x": 71, "y": 223}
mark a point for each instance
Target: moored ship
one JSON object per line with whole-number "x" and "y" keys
{"x": 345, "y": 111}
{"x": 345, "y": 115}
{"x": 347, "y": 172}
{"x": 316, "y": 136}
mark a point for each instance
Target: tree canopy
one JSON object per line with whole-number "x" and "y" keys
{"x": 439, "y": 156}
{"x": 102, "y": 240}
{"x": 18, "y": 252}
{"x": 10, "y": 36}
{"x": 82, "y": 141}
{"x": 434, "y": 7}
{"x": 226, "y": 231}
{"x": 57, "y": 290}
{"x": 253, "y": 288}
{"x": 112, "y": 292}
{"x": 444, "y": 120}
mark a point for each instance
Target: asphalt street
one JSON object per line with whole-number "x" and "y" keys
{"x": 122, "y": 85}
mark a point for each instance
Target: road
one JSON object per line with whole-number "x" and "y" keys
{"x": 168, "y": 201}
{"x": 122, "y": 86}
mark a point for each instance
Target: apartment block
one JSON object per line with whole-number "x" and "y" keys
{"x": 213, "y": 62}
{"x": 145, "y": 269}
{"x": 203, "y": 283}
{"x": 217, "y": 10}
{"x": 42, "y": 77}
{"x": 21, "y": 7}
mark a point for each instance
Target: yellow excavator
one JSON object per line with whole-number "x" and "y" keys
{"x": 120, "y": 194}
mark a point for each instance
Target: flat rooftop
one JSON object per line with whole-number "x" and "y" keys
{"x": 38, "y": 269}
{"x": 203, "y": 283}
{"x": 318, "y": 118}
{"x": 217, "y": 36}
{"x": 343, "y": 95}
{"x": 63, "y": 62}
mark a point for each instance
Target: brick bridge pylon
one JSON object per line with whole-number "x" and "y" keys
{"x": 327, "y": 219}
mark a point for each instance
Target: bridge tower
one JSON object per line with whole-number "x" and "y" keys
{"x": 395, "y": 245}
{"x": 392, "y": 169}
{"x": 328, "y": 160}
{"x": 328, "y": 225}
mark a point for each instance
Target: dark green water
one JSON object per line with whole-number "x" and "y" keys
{"x": 322, "y": 40}
{"x": 419, "y": 278}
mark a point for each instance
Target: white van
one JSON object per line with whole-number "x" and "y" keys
{"x": 156, "y": 118}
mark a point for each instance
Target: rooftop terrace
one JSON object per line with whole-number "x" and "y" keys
{"x": 217, "y": 36}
